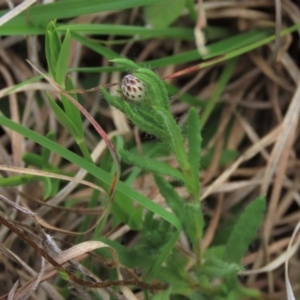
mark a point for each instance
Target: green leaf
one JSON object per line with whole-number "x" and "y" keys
{"x": 174, "y": 137}
{"x": 15, "y": 180}
{"x": 222, "y": 83}
{"x": 63, "y": 118}
{"x": 47, "y": 187}
{"x": 53, "y": 45}
{"x": 151, "y": 165}
{"x": 163, "y": 13}
{"x": 174, "y": 201}
{"x": 62, "y": 60}
{"x": 41, "y": 13}
{"x": 71, "y": 110}
{"x": 102, "y": 50}
{"x": 126, "y": 30}
{"x": 177, "y": 204}
{"x": 194, "y": 145}
{"x": 189, "y": 214}
{"x": 218, "y": 268}
{"x": 46, "y": 152}
{"x": 190, "y": 5}
{"x": 33, "y": 160}
{"x": 244, "y": 230}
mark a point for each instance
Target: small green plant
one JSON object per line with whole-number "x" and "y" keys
{"x": 214, "y": 275}
{"x": 152, "y": 115}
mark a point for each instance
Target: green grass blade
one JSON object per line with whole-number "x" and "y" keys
{"x": 103, "y": 51}
{"x": 42, "y": 13}
{"x": 62, "y": 60}
{"x": 71, "y": 110}
{"x": 218, "y": 48}
{"x": 126, "y": 30}
{"x": 15, "y": 180}
{"x": 244, "y": 230}
{"x": 63, "y": 118}
{"x": 221, "y": 85}
{"x": 46, "y": 153}
{"x": 194, "y": 145}
{"x": 33, "y": 159}
{"x": 162, "y": 14}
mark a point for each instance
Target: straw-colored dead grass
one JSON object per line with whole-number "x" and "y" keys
{"x": 262, "y": 103}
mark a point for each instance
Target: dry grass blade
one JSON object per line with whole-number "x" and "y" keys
{"x": 57, "y": 176}
{"x": 51, "y": 291}
{"x": 281, "y": 147}
{"x": 31, "y": 288}
{"x": 198, "y": 33}
{"x": 252, "y": 151}
{"x": 11, "y": 294}
{"x": 50, "y": 175}
{"x": 17, "y": 206}
{"x": 277, "y": 28}
{"x": 16, "y": 139}
{"x": 289, "y": 288}
{"x": 16, "y": 11}
{"x": 39, "y": 86}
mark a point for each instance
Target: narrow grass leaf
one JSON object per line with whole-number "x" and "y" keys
{"x": 71, "y": 110}
{"x": 162, "y": 14}
{"x": 15, "y": 180}
{"x": 62, "y": 60}
{"x": 194, "y": 145}
{"x": 53, "y": 46}
{"x": 222, "y": 83}
{"x": 50, "y": 56}
{"x": 103, "y": 51}
{"x": 63, "y": 118}
{"x": 41, "y": 13}
{"x": 33, "y": 159}
{"x": 217, "y": 48}
{"x": 21, "y": 29}
{"x": 47, "y": 187}
{"x": 125, "y": 30}
{"x": 151, "y": 165}
{"x": 46, "y": 152}
{"x": 244, "y": 230}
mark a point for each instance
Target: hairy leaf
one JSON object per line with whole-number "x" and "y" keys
{"x": 151, "y": 165}
{"x": 244, "y": 230}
